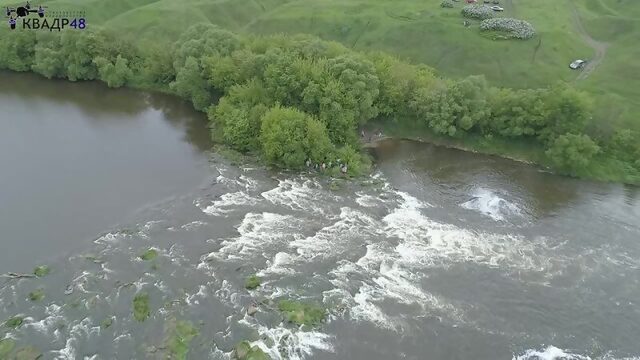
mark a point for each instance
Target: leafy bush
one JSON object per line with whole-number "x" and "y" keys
{"x": 478, "y": 12}
{"x": 516, "y": 29}
{"x": 446, "y": 4}
{"x": 571, "y": 152}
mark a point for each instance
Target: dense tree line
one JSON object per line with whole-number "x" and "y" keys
{"x": 290, "y": 99}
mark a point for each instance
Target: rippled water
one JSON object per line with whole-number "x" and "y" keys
{"x": 439, "y": 254}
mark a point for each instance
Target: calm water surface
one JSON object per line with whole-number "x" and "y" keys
{"x": 78, "y": 158}
{"x": 439, "y": 254}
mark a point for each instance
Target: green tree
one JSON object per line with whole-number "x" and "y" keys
{"x": 571, "y": 152}
{"x": 115, "y": 75}
{"x": 48, "y": 59}
{"x": 567, "y": 111}
{"x": 77, "y": 52}
{"x": 283, "y": 136}
{"x": 18, "y": 50}
{"x": 190, "y": 84}
{"x": 157, "y": 66}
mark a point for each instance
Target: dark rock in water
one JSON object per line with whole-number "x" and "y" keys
{"x": 252, "y": 310}
{"x": 68, "y": 290}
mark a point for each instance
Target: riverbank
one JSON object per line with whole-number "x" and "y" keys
{"x": 602, "y": 169}
{"x": 298, "y": 100}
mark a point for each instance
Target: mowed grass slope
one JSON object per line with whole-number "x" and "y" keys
{"x": 423, "y": 32}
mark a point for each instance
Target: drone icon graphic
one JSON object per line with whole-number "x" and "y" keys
{"x": 22, "y": 11}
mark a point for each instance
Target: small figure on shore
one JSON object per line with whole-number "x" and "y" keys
{"x": 324, "y": 166}
{"x": 343, "y": 168}
{"x": 362, "y": 133}
{"x": 316, "y": 166}
{"x": 308, "y": 163}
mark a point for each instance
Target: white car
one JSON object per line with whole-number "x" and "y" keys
{"x": 497, "y": 8}
{"x": 577, "y": 64}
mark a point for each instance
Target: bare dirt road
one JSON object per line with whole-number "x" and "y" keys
{"x": 599, "y": 47}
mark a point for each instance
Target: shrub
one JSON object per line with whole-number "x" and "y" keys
{"x": 446, "y": 4}
{"x": 479, "y": 12}
{"x": 571, "y": 152}
{"x": 516, "y": 29}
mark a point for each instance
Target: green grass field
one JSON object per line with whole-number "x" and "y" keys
{"x": 423, "y": 32}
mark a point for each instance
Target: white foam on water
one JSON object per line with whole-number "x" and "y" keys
{"x": 290, "y": 344}
{"x": 249, "y": 183}
{"x": 50, "y": 322}
{"x": 490, "y": 204}
{"x": 281, "y": 264}
{"x": 365, "y": 308}
{"x": 257, "y": 232}
{"x": 338, "y": 237}
{"x": 299, "y": 194}
{"x": 193, "y": 299}
{"x": 411, "y": 202}
{"x": 429, "y": 243}
{"x": 555, "y": 353}
{"x": 108, "y": 238}
{"x": 77, "y": 333}
{"x": 229, "y": 200}
{"x": 366, "y": 200}
{"x": 193, "y": 225}
{"x": 550, "y": 353}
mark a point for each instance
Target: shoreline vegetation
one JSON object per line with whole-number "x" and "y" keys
{"x": 297, "y": 100}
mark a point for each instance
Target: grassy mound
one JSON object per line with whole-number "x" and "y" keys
{"x": 149, "y": 255}
{"x": 244, "y": 351}
{"x": 252, "y": 282}
{"x": 41, "y": 271}
{"x": 141, "y": 309}
{"x": 301, "y": 313}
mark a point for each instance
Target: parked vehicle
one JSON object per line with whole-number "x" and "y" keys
{"x": 497, "y": 8}
{"x": 577, "y": 64}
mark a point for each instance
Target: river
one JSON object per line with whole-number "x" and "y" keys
{"x": 438, "y": 254}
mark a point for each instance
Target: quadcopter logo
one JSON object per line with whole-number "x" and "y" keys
{"x": 22, "y": 12}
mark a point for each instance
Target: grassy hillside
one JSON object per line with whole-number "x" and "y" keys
{"x": 605, "y": 31}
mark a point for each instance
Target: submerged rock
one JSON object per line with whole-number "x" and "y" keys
{"x": 106, "y": 323}
{"x": 6, "y": 347}
{"x": 244, "y": 351}
{"x": 177, "y": 344}
{"x": 36, "y": 295}
{"x": 252, "y": 282}
{"x": 28, "y": 353}
{"x": 14, "y": 322}
{"x": 41, "y": 271}
{"x": 141, "y": 309}
{"x": 149, "y": 255}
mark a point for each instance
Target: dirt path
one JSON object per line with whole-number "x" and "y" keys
{"x": 599, "y": 47}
